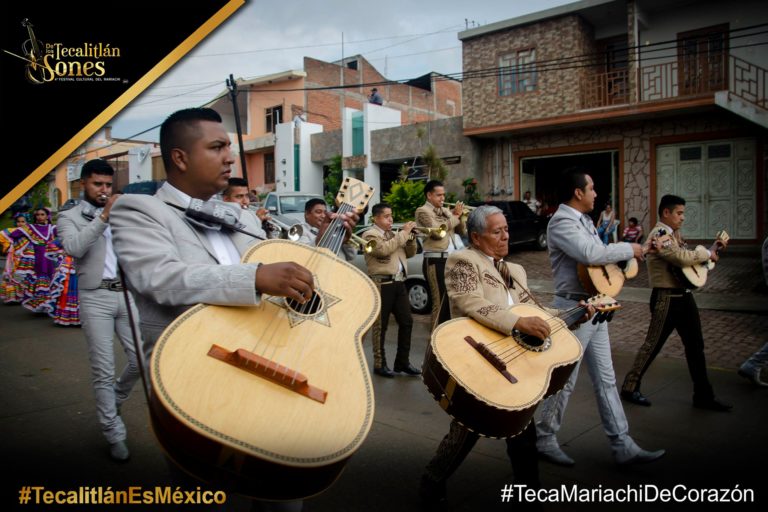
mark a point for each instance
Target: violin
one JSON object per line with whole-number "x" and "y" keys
{"x": 33, "y": 54}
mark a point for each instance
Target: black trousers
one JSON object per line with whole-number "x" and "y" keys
{"x": 459, "y": 441}
{"x": 670, "y": 310}
{"x": 394, "y": 299}
{"x": 434, "y": 271}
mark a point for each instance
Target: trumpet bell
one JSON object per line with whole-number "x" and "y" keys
{"x": 295, "y": 232}
{"x": 292, "y": 232}
{"x": 441, "y": 231}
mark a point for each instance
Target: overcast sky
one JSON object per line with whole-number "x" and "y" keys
{"x": 401, "y": 38}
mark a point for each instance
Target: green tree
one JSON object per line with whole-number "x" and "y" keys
{"x": 333, "y": 180}
{"x": 435, "y": 167}
{"x": 404, "y": 197}
{"x": 38, "y": 196}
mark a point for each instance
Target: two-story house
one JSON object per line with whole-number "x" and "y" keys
{"x": 653, "y": 97}
{"x": 318, "y": 96}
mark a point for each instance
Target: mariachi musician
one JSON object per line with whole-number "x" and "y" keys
{"x": 438, "y": 245}
{"x": 386, "y": 264}
{"x": 482, "y": 286}
{"x": 673, "y": 308}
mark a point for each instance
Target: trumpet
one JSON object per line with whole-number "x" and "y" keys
{"x": 440, "y": 231}
{"x": 291, "y": 232}
{"x": 367, "y": 246}
{"x": 467, "y": 208}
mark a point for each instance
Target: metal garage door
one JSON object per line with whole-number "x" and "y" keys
{"x": 717, "y": 180}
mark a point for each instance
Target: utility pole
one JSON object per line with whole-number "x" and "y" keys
{"x": 232, "y": 86}
{"x": 341, "y": 81}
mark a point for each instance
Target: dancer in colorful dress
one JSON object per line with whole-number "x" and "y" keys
{"x": 11, "y": 288}
{"x": 64, "y": 303}
{"x": 38, "y": 261}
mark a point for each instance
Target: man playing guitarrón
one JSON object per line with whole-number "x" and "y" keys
{"x": 172, "y": 261}
{"x": 673, "y": 307}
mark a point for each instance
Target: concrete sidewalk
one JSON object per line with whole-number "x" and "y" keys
{"x": 52, "y": 439}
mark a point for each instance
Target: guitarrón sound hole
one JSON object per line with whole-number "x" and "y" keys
{"x": 310, "y": 307}
{"x": 532, "y": 342}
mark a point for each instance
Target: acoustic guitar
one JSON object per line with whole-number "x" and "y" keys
{"x": 608, "y": 279}
{"x": 695, "y": 276}
{"x": 492, "y": 383}
{"x": 271, "y": 401}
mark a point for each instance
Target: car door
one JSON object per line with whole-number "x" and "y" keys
{"x": 271, "y": 204}
{"x": 521, "y": 223}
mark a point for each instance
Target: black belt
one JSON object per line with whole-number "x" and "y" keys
{"x": 573, "y": 296}
{"x": 435, "y": 254}
{"x": 386, "y": 278}
{"x": 673, "y": 290}
{"x": 111, "y": 284}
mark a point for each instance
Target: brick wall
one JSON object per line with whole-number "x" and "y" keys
{"x": 557, "y": 92}
{"x": 417, "y": 105}
{"x": 634, "y": 138}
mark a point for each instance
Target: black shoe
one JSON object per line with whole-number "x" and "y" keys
{"x": 712, "y": 404}
{"x": 384, "y": 371}
{"x": 432, "y": 495}
{"x": 408, "y": 369}
{"x": 635, "y": 397}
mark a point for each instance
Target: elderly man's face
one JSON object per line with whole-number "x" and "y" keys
{"x": 494, "y": 241}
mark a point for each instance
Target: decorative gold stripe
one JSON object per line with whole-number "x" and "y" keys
{"x": 120, "y": 103}
{"x": 450, "y": 388}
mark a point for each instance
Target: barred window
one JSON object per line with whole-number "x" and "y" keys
{"x": 274, "y": 116}
{"x": 517, "y": 72}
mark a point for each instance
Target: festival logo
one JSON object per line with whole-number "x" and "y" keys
{"x": 55, "y": 61}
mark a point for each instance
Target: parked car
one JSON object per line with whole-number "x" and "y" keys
{"x": 416, "y": 283}
{"x": 143, "y": 187}
{"x": 525, "y": 227}
{"x": 288, "y": 204}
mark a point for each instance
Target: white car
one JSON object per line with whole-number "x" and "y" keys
{"x": 416, "y": 283}
{"x": 288, "y": 204}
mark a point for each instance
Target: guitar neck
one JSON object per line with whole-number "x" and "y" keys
{"x": 333, "y": 238}
{"x": 571, "y": 316}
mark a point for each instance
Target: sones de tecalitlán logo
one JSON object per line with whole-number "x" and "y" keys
{"x": 48, "y": 61}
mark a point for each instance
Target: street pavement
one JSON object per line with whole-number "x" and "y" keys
{"x": 51, "y": 437}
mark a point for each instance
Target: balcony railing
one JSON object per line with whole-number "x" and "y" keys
{"x": 748, "y": 82}
{"x": 669, "y": 80}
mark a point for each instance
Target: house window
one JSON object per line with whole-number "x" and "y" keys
{"x": 269, "y": 168}
{"x": 517, "y": 72}
{"x": 274, "y": 116}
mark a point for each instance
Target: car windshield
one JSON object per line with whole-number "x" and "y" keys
{"x": 291, "y": 204}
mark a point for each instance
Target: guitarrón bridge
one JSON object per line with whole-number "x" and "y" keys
{"x": 492, "y": 358}
{"x": 269, "y": 370}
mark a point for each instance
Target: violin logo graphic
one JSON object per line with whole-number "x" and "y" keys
{"x": 56, "y": 61}
{"x": 34, "y": 56}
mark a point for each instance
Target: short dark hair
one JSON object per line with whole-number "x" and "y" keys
{"x": 177, "y": 129}
{"x": 571, "y": 179}
{"x": 431, "y": 186}
{"x": 234, "y": 182}
{"x": 96, "y": 166}
{"x": 633, "y": 219}
{"x": 379, "y": 208}
{"x": 668, "y": 202}
{"x": 312, "y": 203}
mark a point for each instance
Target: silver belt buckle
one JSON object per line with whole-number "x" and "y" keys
{"x": 399, "y": 277}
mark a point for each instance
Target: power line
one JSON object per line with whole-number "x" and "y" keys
{"x": 542, "y": 66}
{"x": 301, "y": 47}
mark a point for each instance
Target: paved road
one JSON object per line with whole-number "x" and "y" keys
{"x": 51, "y": 436}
